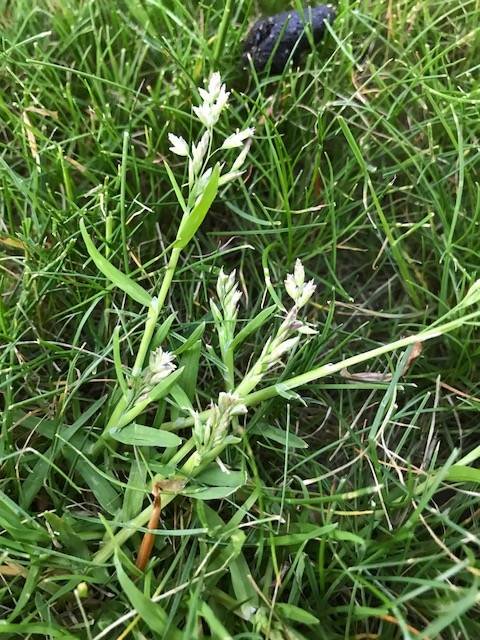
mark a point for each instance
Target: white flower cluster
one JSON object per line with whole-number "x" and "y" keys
{"x": 296, "y": 287}
{"x": 161, "y": 365}
{"x": 287, "y": 336}
{"x": 215, "y": 99}
{"x": 237, "y": 139}
{"x": 209, "y": 434}
{"x": 228, "y": 294}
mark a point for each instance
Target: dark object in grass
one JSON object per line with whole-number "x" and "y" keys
{"x": 278, "y": 37}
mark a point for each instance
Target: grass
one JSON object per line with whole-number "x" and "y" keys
{"x": 353, "y": 512}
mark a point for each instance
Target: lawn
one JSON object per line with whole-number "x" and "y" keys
{"x": 197, "y": 442}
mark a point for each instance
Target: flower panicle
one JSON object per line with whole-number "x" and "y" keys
{"x": 215, "y": 98}
{"x": 161, "y": 364}
{"x": 212, "y": 432}
{"x": 288, "y": 334}
{"x": 228, "y": 294}
{"x": 296, "y": 287}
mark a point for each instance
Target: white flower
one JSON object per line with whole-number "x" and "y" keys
{"x": 212, "y": 432}
{"x": 200, "y": 434}
{"x": 299, "y": 273}
{"x": 238, "y": 164}
{"x": 206, "y": 114}
{"x": 215, "y": 85}
{"x": 228, "y": 177}
{"x": 225, "y": 284}
{"x": 230, "y": 403}
{"x": 203, "y": 181}
{"x": 215, "y": 98}
{"x": 237, "y": 139}
{"x": 228, "y": 294}
{"x": 473, "y": 295}
{"x": 199, "y": 151}
{"x": 179, "y": 145}
{"x": 222, "y": 99}
{"x": 307, "y": 331}
{"x": 204, "y": 94}
{"x": 291, "y": 286}
{"x": 160, "y": 365}
{"x": 307, "y": 292}
{"x": 282, "y": 348}
{"x": 296, "y": 287}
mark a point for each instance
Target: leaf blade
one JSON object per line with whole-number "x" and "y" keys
{"x": 191, "y": 222}
{"x": 116, "y": 277}
{"x": 139, "y": 435}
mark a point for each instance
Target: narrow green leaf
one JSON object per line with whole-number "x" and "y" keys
{"x": 157, "y": 393}
{"x": 254, "y": 325}
{"x": 181, "y": 399}
{"x": 292, "y": 612}
{"x": 287, "y": 394}
{"x": 216, "y": 627}
{"x": 27, "y": 591}
{"x": 192, "y": 339}
{"x": 471, "y": 456}
{"x": 463, "y": 473}
{"x": 162, "y": 332}
{"x": 239, "y": 570}
{"x": 215, "y": 477}
{"x": 142, "y": 436}
{"x": 307, "y": 533}
{"x": 280, "y": 436}
{"x": 359, "y": 156}
{"x": 452, "y": 611}
{"x": 190, "y": 361}
{"x": 34, "y": 481}
{"x": 67, "y": 536}
{"x": 151, "y": 613}
{"x": 176, "y": 186}
{"x": 240, "y": 573}
{"x": 106, "y": 496}
{"x": 116, "y": 277}
{"x": 347, "y": 536}
{"x": 209, "y": 493}
{"x": 25, "y": 629}
{"x": 192, "y": 221}
{"x": 135, "y": 492}
{"x": 18, "y": 522}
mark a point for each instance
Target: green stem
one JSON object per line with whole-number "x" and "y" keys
{"x": 325, "y": 370}
{"x": 182, "y": 452}
{"x": 150, "y": 326}
{"x": 228, "y": 361}
{"x": 154, "y": 312}
{"x": 330, "y": 368}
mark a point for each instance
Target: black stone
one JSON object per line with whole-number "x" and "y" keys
{"x": 276, "y": 37}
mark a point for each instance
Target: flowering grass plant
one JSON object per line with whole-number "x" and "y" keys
{"x": 160, "y": 381}
{"x": 239, "y": 315}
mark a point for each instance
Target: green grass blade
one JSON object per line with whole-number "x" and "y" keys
{"x": 116, "y": 277}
